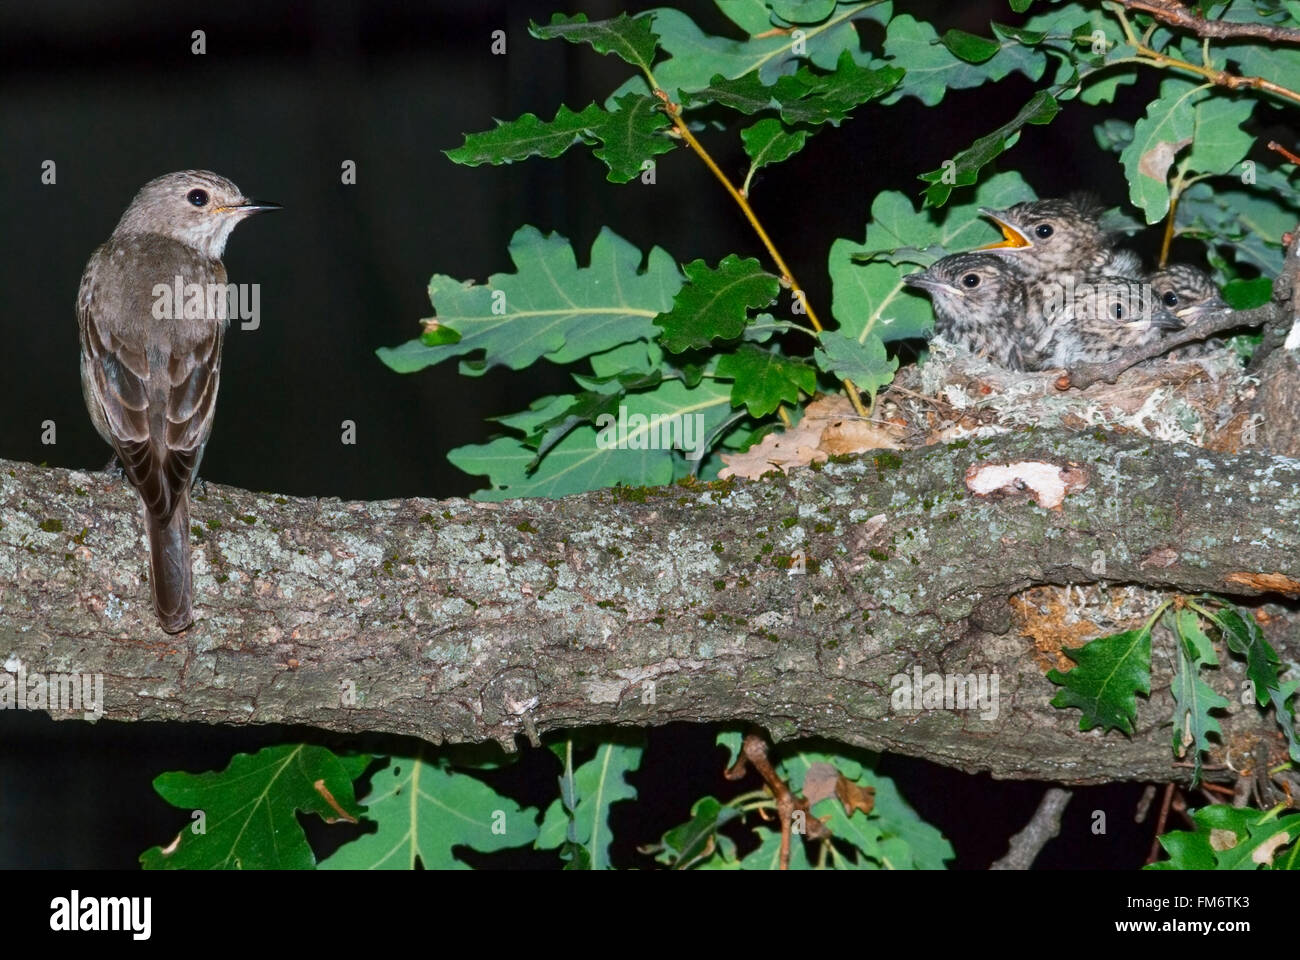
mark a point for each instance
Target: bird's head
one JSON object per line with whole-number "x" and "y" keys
{"x": 1186, "y": 292}
{"x": 196, "y": 207}
{"x": 978, "y": 285}
{"x": 1116, "y": 302}
{"x": 1043, "y": 236}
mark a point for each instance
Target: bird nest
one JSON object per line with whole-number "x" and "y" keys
{"x": 955, "y": 395}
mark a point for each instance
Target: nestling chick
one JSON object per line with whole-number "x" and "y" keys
{"x": 1186, "y": 291}
{"x": 1189, "y": 293}
{"x": 1097, "y": 320}
{"x": 979, "y": 304}
{"x": 1046, "y": 238}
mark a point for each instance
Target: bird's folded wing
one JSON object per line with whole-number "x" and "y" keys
{"x": 191, "y": 402}
{"x": 158, "y": 454}
{"x": 120, "y": 375}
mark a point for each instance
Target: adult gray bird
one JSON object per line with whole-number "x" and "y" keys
{"x": 150, "y": 365}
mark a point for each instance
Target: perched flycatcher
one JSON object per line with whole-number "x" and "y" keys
{"x": 151, "y": 309}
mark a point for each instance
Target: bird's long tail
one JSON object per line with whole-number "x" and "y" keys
{"x": 169, "y": 566}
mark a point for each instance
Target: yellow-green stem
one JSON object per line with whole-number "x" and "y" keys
{"x": 1155, "y": 58}
{"x": 674, "y": 114}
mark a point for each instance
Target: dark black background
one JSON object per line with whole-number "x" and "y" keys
{"x": 285, "y": 94}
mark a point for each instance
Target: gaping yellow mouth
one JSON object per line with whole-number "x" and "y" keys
{"x": 1013, "y": 238}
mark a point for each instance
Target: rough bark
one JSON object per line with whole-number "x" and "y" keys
{"x": 462, "y": 621}
{"x": 1275, "y": 409}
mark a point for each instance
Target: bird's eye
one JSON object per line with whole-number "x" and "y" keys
{"x": 1119, "y": 311}
{"x": 971, "y": 280}
{"x": 1043, "y": 231}
{"x": 197, "y": 197}
{"x": 1170, "y": 299}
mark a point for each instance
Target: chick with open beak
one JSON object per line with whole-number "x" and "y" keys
{"x": 1045, "y": 239}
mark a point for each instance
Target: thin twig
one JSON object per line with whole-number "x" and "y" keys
{"x": 1175, "y": 194}
{"x": 1151, "y": 57}
{"x": 1278, "y": 148}
{"x": 1154, "y": 855}
{"x": 674, "y": 112}
{"x": 1086, "y": 374}
{"x": 1144, "y": 803}
{"x": 753, "y": 753}
{"x": 1025, "y": 846}
{"x": 1241, "y": 795}
{"x": 1177, "y": 15}
{"x": 1168, "y": 240}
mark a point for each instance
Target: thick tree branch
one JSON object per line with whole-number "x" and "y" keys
{"x": 462, "y": 621}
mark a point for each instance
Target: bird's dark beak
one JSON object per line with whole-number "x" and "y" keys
{"x": 1012, "y": 237}
{"x": 1164, "y": 320}
{"x": 257, "y": 206}
{"x": 1198, "y": 310}
{"x": 249, "y": 207}
{"x": 922, "y": 279}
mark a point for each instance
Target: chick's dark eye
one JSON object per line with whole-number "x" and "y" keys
{"x": 1119, "y": 312}
{"x": 1170, "y": 299}
{"x": 971, "y": 280}
{"x": 197, "y": 197}
{"x": 1043, "y": 231}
